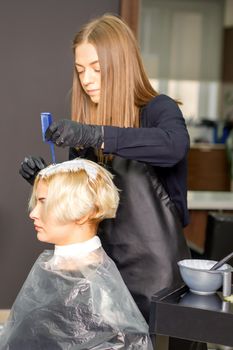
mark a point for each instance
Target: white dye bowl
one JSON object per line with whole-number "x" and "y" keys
{"x": 196, "y": 275}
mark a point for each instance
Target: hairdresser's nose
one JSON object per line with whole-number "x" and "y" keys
{"x": 88, "y": 77}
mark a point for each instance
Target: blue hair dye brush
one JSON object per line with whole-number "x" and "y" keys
{"x": 46, "y": 120}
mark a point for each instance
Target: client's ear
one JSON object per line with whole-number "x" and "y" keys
{"x": 83, "y": 220}
{"x": 91, "y": 217}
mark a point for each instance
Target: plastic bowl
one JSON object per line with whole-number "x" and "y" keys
{"x": 196, "y": 275}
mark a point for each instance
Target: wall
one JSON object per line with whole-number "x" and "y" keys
{"x": 36, "y": 76}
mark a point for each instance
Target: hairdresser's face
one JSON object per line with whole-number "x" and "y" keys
{"x": 88, "y": 69}
{"x": 49, "y": 230}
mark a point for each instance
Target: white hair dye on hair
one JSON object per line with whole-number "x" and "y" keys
{"x": 69, "y": 166}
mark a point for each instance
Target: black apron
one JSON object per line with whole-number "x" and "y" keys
{"x": 146, "y": 239}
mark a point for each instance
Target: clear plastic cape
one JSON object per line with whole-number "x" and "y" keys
{"x": 75, "y": 303}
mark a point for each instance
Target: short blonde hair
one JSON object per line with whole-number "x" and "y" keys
{"x": 75, "y": 193}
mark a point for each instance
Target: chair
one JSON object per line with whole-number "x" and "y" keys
{"x": 219, "y": 236}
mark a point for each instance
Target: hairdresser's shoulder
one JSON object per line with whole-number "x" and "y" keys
{"x": 161, "y": 108}
{"x": 162, "y": 101}
{"x": 161, "y": 105}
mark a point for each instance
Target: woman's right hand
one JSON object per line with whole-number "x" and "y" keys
{"x": 30, "y": 167}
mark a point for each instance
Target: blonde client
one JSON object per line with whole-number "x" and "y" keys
{"x": 74, "y": 296}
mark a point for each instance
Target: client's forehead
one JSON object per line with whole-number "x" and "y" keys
{"x": 41, "y": 188}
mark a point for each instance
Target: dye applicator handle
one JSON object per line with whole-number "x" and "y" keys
{"x": 221, "y": 262}
{"x": 46, "y": 120}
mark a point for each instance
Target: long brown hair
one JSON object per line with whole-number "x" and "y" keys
{"x": 125, "y": 87}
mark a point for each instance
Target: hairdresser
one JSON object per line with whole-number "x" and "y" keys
{"x": 120, "y": 121}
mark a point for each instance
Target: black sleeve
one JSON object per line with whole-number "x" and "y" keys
{"x": 164, "y": 141}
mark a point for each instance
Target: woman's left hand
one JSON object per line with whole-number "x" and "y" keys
{"x": 68, "y": 133}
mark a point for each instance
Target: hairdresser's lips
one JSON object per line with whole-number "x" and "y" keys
{"x": 93, "y": 92}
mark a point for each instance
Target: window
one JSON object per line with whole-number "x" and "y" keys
{"x": 181, "y": 44}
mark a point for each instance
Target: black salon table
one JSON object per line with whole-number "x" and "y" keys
{"x": 181, "y": 314}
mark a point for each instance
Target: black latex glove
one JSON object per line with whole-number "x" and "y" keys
{"x": 67, "y": 133}
{"x": 30, "y": 168}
